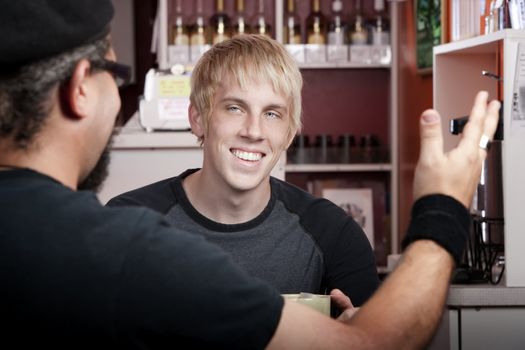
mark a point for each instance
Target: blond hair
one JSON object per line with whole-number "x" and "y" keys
{"x": 244, "y": 59}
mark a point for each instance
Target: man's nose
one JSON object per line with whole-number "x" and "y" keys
{"x": 252, "y": 127}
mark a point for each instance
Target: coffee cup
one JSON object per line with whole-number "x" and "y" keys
{"x": 317, "y": 302}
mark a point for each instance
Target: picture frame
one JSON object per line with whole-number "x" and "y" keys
{"x": 357, "y": 203}
{"x": 380, "y": 215}
{"x": 428, "y": 32}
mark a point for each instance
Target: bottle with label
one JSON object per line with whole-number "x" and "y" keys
{"x": 199, "y": 33}
{"x": 316, "y": 25}
{"x": 292, "y": 25}
{"x": 336, "y": 26}
{"x": 220, "y": 23}
{"x": 358, "y": 33}
{"x": 240, "y": 24}
{"x": 260, "y": 23}
{"x": 180, "y": 32}
{"x": 380, "y": 33}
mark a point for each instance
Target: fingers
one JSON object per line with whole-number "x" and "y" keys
{"x": 340, "y": 299}
{"x": 344, "y": 303}
{"x": 475, "y": 126}
{"x": 491, "y": 122}
{"x": 431, "y": 135}
{"x": 483, "y": 120}
{"x": 347, "y": 315}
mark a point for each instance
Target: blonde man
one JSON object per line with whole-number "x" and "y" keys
{"x": 245, "y": 109}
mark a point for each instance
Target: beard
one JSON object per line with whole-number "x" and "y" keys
{"x": 95, "y": 179}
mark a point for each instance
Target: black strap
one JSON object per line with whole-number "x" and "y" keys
{"x": 442, "y": 219}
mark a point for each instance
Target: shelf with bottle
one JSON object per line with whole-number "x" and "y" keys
{"x": 192, "y": 27}
{"x": 356, "y": 96}
{"x": 340, "y": 40}
{"x": 343, "y": 156}
{"x": 347, "y": 35}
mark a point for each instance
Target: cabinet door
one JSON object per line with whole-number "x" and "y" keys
{"x": 494, "y": 328}
{"x": 447, "y": 333}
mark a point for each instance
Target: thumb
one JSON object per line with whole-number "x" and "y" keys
{"x": 431, "y": 135}
{"x": 341, "y": 300}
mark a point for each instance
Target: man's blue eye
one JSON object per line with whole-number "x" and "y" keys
{"x": 272, "y": 115}
{"x": 233, "y": 109}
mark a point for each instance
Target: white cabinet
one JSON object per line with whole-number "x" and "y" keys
{"x": 457, "y": 78}
{"x": 482, "y": 317}
{"x": 480, "y": 328}
{"x": 139, "y": 158}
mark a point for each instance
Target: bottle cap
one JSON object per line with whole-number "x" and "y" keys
{"x": 379, "y": 5}
{"x": 337, "y": 5}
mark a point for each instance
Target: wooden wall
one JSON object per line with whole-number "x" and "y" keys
{"x": 415, "y": 95}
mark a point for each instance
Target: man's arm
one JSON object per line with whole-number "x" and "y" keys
{"x": 404, "y": 312}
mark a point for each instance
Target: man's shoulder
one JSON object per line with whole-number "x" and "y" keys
{"x": 159, "y": 196}
{"x": 302, "y": 202}
{"x": 318, "y": 216}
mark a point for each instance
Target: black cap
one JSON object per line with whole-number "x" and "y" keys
{"x": 31, "y": 30}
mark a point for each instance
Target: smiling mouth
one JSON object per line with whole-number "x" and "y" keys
{"x": 248, "y": 156}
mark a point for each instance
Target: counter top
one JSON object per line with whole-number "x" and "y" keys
{"x": 132, "y": 135}
{"x": 479, "y": 295}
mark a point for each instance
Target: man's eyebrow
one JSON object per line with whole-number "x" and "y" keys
{"x": 277, "y": 106}
{"x": 233, "y": 99}
{"x": 243, "y": 102}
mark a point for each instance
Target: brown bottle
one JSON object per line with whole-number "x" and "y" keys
{"x": 337, "y": 26}
{"x": 358, "y": 33}
{"x": 292, "y": 25}
{"x": 316, "y": 25}
{"x": 240, "y": 24}
{"x": 180, "y": 32}
{"x": 220, "y": 23}
{"x": 260, "y": 24}
{"x": 199, "y": 33}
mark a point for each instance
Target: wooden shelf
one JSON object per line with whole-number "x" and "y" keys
{"x": 324, "y": 168}
{"x": 480, "y": 44}
{"x": 345, "y": 65}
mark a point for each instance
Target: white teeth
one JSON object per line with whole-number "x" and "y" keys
{"x": 247, "y": 155}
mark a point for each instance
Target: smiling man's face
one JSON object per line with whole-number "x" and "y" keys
{"x": 247, "y": 131}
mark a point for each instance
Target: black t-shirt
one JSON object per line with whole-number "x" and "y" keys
{"x": 78, "y": 275}
{"x": 298, "y": 243}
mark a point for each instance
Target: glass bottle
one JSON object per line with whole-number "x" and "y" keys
{"x": 260, "y": 24}
{"x": 240, "y": 24}
{"x": 220, "y": 23}
{"x": 199, "y": 29}
{"x": 180, "y": 32}
{"x": 336, "y": 26}
{"x": 358, "y": 34}
{"x": 380, "y": 33}
{"x": 292, "y": 25}
{"x": 316, "y": 25}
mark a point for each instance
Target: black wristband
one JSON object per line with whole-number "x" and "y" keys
{"x": 441, "y": 219}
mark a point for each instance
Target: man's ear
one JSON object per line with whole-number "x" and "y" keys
{"x": 196, "y": 121}
{"x": 75, "y": 102}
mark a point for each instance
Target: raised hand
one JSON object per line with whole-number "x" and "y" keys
{"x": 457, "y": 172}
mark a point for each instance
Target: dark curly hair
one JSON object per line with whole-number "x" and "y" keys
{"x": 25, "y": 91}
